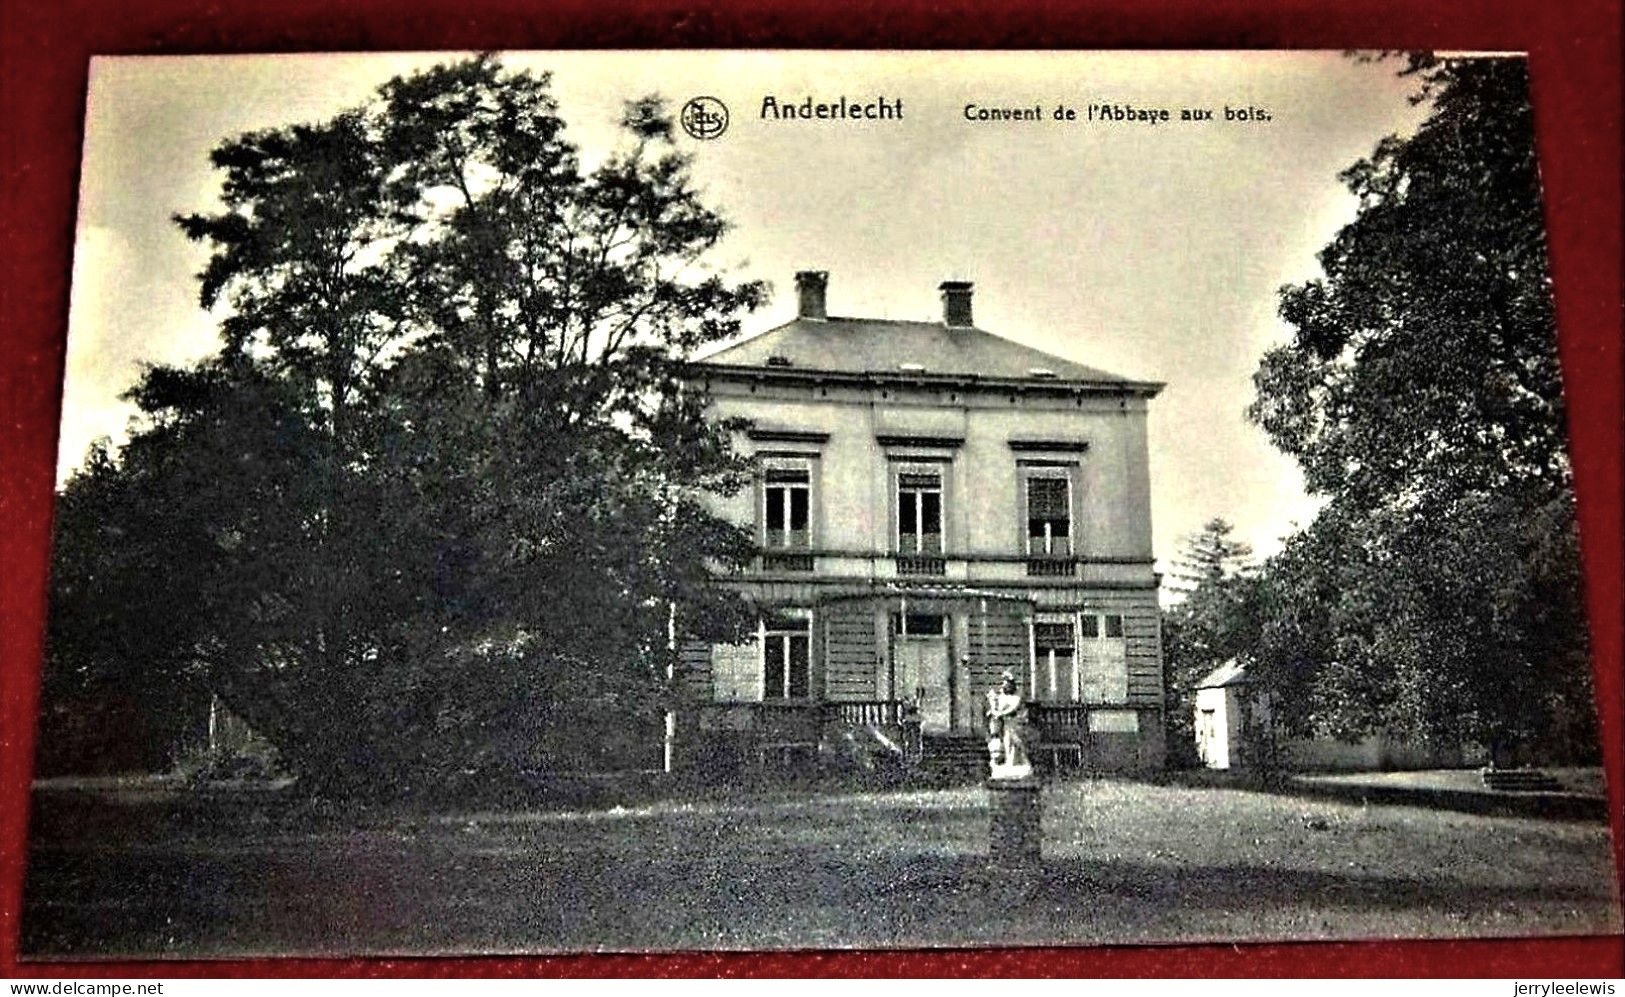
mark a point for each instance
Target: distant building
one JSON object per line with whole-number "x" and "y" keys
{"x": 1234, "y": 726}
{"x": 1235, "y": 729}
{"x": 934, "y": 505}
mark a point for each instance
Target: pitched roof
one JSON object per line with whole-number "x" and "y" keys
{"x": 1232, "y": 672}
{"x": 873, "y": 346}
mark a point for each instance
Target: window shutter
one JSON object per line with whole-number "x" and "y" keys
{"x": 1104, "y": 671}
{"x": 735, "y": 672}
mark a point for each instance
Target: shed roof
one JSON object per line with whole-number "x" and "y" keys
{"x": 1232, "y": 672}
{"x": 888, "y": 346}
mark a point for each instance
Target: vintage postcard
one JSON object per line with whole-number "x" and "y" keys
{"x": 648, "y": 501}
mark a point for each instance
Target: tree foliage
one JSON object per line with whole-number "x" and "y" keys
{"x": 427, "y": 511}
{"x": 1209, "y": 555}
{"x": 1437, "y": 594}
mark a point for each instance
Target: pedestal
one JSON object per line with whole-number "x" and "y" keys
{"x": 1015, "y": 832}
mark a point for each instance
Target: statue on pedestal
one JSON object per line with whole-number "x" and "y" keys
{"x": 1006, "y": 737}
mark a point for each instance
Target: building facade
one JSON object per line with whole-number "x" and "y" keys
{"x": 934, "y": 506}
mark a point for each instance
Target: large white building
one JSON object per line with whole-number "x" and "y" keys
{"x": 934, "y": 505}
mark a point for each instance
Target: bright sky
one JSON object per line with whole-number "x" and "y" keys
{"x": 1149, "y": 250}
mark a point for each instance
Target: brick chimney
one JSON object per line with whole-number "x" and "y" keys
{"x": 810, "y": 288}
{"x": 956, "y": 303}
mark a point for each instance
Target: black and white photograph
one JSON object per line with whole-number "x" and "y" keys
{"x": 660, "y": 501}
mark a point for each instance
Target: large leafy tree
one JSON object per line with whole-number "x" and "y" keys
{"x": 434, "y": 504}
{"x": 1437, "y": 594}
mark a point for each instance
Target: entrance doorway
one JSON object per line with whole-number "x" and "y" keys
{"x": 924, "y": 673}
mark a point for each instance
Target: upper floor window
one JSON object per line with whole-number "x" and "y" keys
{"x": 919, "y": 510}
{"x": 787, "y": 504}
{"x": 1049, "y": 515}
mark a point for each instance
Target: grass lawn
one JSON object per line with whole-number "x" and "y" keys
{"x": 1124, "y": 862}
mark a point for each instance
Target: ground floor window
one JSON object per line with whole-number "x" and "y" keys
{"x": 777, "y": 664}
{"x": 787, "y": 656}
{"x": 1055, "y": 673}
{"x": 1101, "y": 626}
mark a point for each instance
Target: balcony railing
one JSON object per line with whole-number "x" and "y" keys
{"x": 900, "y": 720}
{"x": 1044, "y": 566}
{"x": 1059, "y": 721}
{"x": 866, "y": 713}
{"x": 921, "y": 564}
{"x": 928, "y": 563}
{"x": 788, "y": 721}
{"x": 784, "y": 560}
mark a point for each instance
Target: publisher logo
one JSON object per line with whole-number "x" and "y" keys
{"x": 704, "y": 117}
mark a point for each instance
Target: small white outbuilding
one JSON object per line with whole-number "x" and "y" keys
{"x": 1235, "y": 729}
{"x": 1233, "y": 720}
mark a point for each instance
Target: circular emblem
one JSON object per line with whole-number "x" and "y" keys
{"x": 704, "y": 117}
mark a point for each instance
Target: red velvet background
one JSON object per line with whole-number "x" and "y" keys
{"x": 1574, "y": 48}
